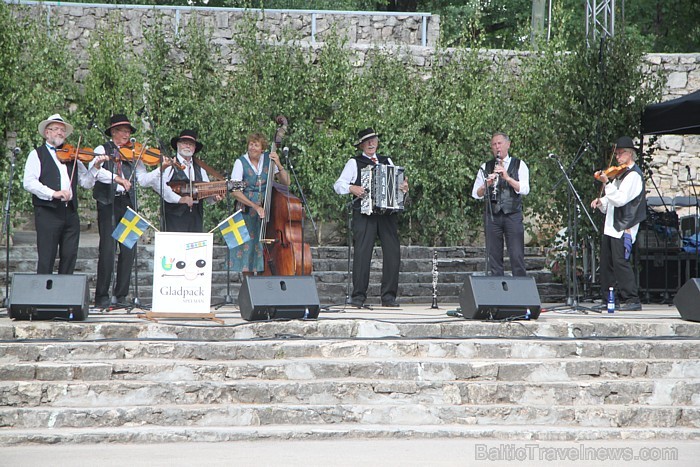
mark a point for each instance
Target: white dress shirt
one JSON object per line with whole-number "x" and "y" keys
{"x": 617, "y": 194}
{"x": 168, "y": 194}
{"x": 32, "y": 172}
{"x": 523, "y": 176}
{"x": 349, "y": 175}
{"x": 143, "y": 176}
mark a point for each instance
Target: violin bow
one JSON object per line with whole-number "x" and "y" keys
{"x": 602, "y": 187}
{"x": 72, "y": 172}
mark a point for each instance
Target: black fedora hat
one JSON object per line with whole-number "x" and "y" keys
{"x": 189, "y": 135}
{"x": 364, "y": 135}
{"x": 118, "y": 120}
{"x": 624, "y": 142}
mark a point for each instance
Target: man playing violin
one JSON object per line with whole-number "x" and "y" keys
{"x": 53, "y": 185}
{"x": 182, "y": 213}
{"x": 625, "y": 207}
{"x": 114, "y": 193}
{"x": 503, "y": 180}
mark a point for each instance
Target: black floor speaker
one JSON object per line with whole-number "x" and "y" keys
{"x": 687, "y": 300}
{"x": 278, "y": 297}
{"x": 500, "y": 297}
{"x": 49, "y": 296}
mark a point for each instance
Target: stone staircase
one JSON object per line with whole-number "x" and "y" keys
{"x": 330, "y": 270}
{"x": 556, "y": 379}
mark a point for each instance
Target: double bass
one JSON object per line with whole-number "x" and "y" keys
{"x": 285, "y": 253}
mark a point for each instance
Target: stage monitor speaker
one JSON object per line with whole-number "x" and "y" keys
{"x": 278, "y": 297}
{"x": 687, "y": 300}
{"x": 500, "y": 297}
{"x": 49, "y": 296}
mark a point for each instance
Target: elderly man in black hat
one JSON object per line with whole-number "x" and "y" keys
{"x": 182, "y": 213}
{"x": 366, "y": 228}
{"x": 53, "y": 185}
{"x": 114, "y": 193}
{"x": 625, "y": 207}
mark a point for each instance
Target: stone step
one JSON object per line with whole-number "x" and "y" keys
{"x": 340, "y": 431}
{"x": 414, "y": 369}
{"x": 464, "y": 336}
{"x": 679, "y": 392}
{"x": 70, "y": 352}
{"x": 320, "y": 415}
{"x": 76, "y": 353}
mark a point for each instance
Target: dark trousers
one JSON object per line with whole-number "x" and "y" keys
{"x": 190, "y": 221}
{"x": 616, "y": 271}
{"x": 105, "y": 262}
{"x": 57, "y": 232}
{"x": 510, "y": 227}
{"x": 365, "y": 230}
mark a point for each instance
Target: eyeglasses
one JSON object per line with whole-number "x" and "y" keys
{"x": 56, "y": 129}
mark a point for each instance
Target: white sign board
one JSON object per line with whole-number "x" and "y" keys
{"x": 182, "y": 272}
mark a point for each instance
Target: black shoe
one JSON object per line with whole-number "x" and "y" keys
{"x": 391, "y": 304}
{"x": 122, "y": 301}
{"x": 356, "y": 302}
{"x": 102, "y": 303}
{"x": 631, "y": 306}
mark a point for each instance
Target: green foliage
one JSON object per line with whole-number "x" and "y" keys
{"x": 438, "y": 126}
{"x": 36, "y": 81}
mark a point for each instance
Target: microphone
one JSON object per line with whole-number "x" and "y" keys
{"x": 551, "y": 155}
{"x": 687, "y": 167}
{"x": 141, "y": 111}
{"x": 132, "y": 140}
{"x": 285, "y": 151}
{"x": 16, "y": 151}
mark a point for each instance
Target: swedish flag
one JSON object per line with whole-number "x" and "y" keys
{"x": 234, "y": 231}
{"x": 130, "y": 228}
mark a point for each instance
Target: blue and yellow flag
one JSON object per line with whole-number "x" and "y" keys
{"x": 233, "y": 230}
{"x": 130, "y": 228}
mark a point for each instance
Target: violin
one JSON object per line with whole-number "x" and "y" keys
{"x": 611, "y": 172}
{"x": 68, "y": 153}
{"x": 149, "y": 156}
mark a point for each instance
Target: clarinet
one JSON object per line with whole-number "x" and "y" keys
{"x": 494, "y": 190}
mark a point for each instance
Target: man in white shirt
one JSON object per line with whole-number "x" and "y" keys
{"x": 182, "y": 213}
{"x": 366, "y": 228}
{"x": 624, "y": 205}
{"x": 114, "y": 193}
{"x": 504, "y": 180}
{"x": 53, "y": 185}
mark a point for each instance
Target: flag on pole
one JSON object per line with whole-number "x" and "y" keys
{"x": 233, "y": 230}
{"x": 130, "y": 228}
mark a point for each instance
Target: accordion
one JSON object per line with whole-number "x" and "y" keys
{"x": 381, "y": 183}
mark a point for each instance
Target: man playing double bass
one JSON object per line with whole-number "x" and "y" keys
{"x": 252, "y": 169}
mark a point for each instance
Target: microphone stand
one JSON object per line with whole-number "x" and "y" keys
{"x": 488, "y": 210}
{"x": 6, "y": 226}
{"x": 228, "y": 299}
{"x": 290, "y": 165}
{"x": 574, "y": 306}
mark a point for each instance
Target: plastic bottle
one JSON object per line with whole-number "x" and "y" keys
{"x": 611, "y": 300}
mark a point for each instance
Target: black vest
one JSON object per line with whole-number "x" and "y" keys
{"x": 363, "y": 162}
{"x": 508, "y": 200}
{"x": 180, "y": 176}
{"x": 104, "y": 192}
{"x": 51, "y": 177}
{"x": 633, "y": 212}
